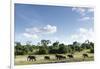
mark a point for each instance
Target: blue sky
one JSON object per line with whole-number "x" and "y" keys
{"x": 56, "y": 23}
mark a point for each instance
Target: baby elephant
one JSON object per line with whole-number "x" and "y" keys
{"x": 47, "y": 57}
{"x": 70, "y": 56}
{"x": 85, "y": 55}
{"x": 59, "y": 57}
{"x": 31, "y": 58}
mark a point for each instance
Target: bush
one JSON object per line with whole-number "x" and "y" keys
{"x": 43, "y": 50}
{"x": 91, "y": 50}
{"x": 62, "y": 49}
{"x": 53, "y": 51}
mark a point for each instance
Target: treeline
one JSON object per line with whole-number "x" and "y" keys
{"x": 44, "y": 47}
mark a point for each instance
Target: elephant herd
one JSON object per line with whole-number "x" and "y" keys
{"x": 57, "y": 56}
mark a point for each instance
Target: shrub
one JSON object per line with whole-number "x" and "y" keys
{"x": 43, "y": 50}
{"x": 91, "y": 50}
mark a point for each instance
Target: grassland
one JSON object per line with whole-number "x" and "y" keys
{"x": 22, "y": 60}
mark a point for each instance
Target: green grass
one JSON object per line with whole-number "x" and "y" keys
{"x": 22, "y": 60}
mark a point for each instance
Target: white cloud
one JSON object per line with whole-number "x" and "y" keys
{"x": 50, "y": 29}
{"x": 83, "y": 13}
{"x": 82, "y": 30}
{"x": 32, "y": 30}
{"x": 91, "y": 10}
{"x": 36, "y": 32}
{"x": 83, "y": 34}
{"x": 84, "y": 18}
{"x": 34, "y": 36}
{"x": 78, "y": 9}
{"x": 42, "y": 30}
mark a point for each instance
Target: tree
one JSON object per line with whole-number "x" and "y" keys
{"x": 62, "y": 49}
{"x": 20, "y": 49}
{"x": 91, "y": 47}
{"x": 83, "y": 46}
{"x": 44, "y": 47}
{"x": 87, "y": 45}
{"x": 91, "y": 50}
{"x": 53, "y": 49}
{"x": 43, "y": 50}
{"x": 17, "y": 44}
{"x": 70, "y": 48}
{"x": 56, "y": 44}
{"x": 76, "y": 46}
{"x": 45, "y": 42}
{"x": 28, "y": 46}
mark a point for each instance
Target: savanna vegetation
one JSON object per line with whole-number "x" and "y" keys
{"x": 45, "y": 52}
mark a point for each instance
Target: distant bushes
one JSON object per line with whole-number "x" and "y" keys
{"x": 55, "y": 48}
{"x": 42, "y": 50}
{"x": 91, "y": 50}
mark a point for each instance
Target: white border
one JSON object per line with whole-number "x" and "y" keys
{"x": 4, "y": 34}
{"x": 78, "y": 3}
{"x": 73, "y": 3}
{"x": 12, "y": 36}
